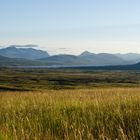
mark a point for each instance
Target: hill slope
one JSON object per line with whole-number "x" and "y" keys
{"x": 5, "y": 61}
{"x": 64, "y": 60}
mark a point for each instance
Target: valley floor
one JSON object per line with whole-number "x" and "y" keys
{"x": 60, "y": 79}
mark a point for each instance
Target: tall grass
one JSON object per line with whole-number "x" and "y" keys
{"x": 104, "y": 114}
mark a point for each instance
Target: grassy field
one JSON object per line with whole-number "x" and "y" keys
{"x": 80, "y": 114}
{"x": 54, "y": 104}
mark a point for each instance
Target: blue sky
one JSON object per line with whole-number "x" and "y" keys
{"x": 72, "y": 26}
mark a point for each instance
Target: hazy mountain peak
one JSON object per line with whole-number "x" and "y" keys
{"x": 12, "y": 47}
{"x": 86, "y": 53}
{"x": 23, "y": 51}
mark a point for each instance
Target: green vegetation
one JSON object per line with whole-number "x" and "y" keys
{"x": 42, "y": 79}
{"x": 104, "y": 114}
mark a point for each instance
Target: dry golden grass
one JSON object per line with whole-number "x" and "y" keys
{"x": 105, "y": 113}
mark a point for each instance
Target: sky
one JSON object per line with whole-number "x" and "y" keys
{"x": 72, "y": 26}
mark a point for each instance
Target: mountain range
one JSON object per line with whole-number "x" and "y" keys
{"x": 17, "y": 55}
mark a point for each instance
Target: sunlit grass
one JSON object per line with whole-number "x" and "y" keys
{"x": 105, "y": 113}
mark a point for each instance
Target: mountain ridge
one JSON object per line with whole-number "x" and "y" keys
{"x": 36, "y": 57}
{"x": 24, "y": 51}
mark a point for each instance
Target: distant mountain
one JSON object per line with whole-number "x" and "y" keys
{"x": 28, "y": 56}
{"x": 18, "y": 51}
{"x": 133, "y": 57}
{"x": 86, "y": 53}
{"x": 129, "y": 57}
{"x": 102, "y": 59}
{"x": 86, "y": 58}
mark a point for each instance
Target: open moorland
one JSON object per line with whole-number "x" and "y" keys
{"x": 42, "y": 79}
{"x": 54, "y": 104}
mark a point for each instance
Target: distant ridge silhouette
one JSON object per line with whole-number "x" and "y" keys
{"x": 22, "y": 55}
